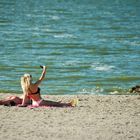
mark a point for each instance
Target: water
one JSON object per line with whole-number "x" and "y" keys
{"x": 89, "y": 46}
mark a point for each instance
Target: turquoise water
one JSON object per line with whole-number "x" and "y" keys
{"x": 89, "y": 46}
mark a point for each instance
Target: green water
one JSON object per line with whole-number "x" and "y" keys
{"x": 90, "y": 47}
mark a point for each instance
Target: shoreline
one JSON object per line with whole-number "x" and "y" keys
{"x": 98, "y": 117}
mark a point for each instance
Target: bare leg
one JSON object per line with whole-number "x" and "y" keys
{"x": 54, "y": 104}
{"x": 72, "y": 103}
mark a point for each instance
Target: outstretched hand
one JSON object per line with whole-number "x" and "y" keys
{"x": 43, "y": 66}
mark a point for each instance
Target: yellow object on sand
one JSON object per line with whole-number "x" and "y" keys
{"x": 74, "y": 102}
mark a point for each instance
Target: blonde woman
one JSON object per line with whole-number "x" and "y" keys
{"x": 32, "y": 91}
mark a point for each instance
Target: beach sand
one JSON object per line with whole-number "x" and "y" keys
{"x": 97, "y": 117}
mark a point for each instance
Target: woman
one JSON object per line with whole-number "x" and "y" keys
{"x": 11, "y": 101}
{"x": 32, "y": 91}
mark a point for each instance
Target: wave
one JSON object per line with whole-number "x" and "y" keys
{"x": 96, "y": 91}
{"x": 63, "y": 36}
{"x": 102, "y": 67}
{"x": 55, "y": 17}
{"x": 105, "y": 91}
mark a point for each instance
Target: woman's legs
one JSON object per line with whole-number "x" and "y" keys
{"x": 73, "y": 103}
{"x": 53, "y": 103}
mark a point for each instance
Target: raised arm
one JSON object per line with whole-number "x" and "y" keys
{"x": 42, "y": 75}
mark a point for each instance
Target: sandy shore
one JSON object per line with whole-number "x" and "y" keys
{"x": 108, "y": 117}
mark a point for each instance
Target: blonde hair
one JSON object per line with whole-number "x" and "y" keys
{"x": 26, "y": 81}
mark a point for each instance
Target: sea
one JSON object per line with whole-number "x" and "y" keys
{"x": 88, "y": 46}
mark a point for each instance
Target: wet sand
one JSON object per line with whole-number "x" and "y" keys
{"x": 97, "y": 117}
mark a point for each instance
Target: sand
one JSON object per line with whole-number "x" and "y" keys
{"x": 97, "y": 117}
